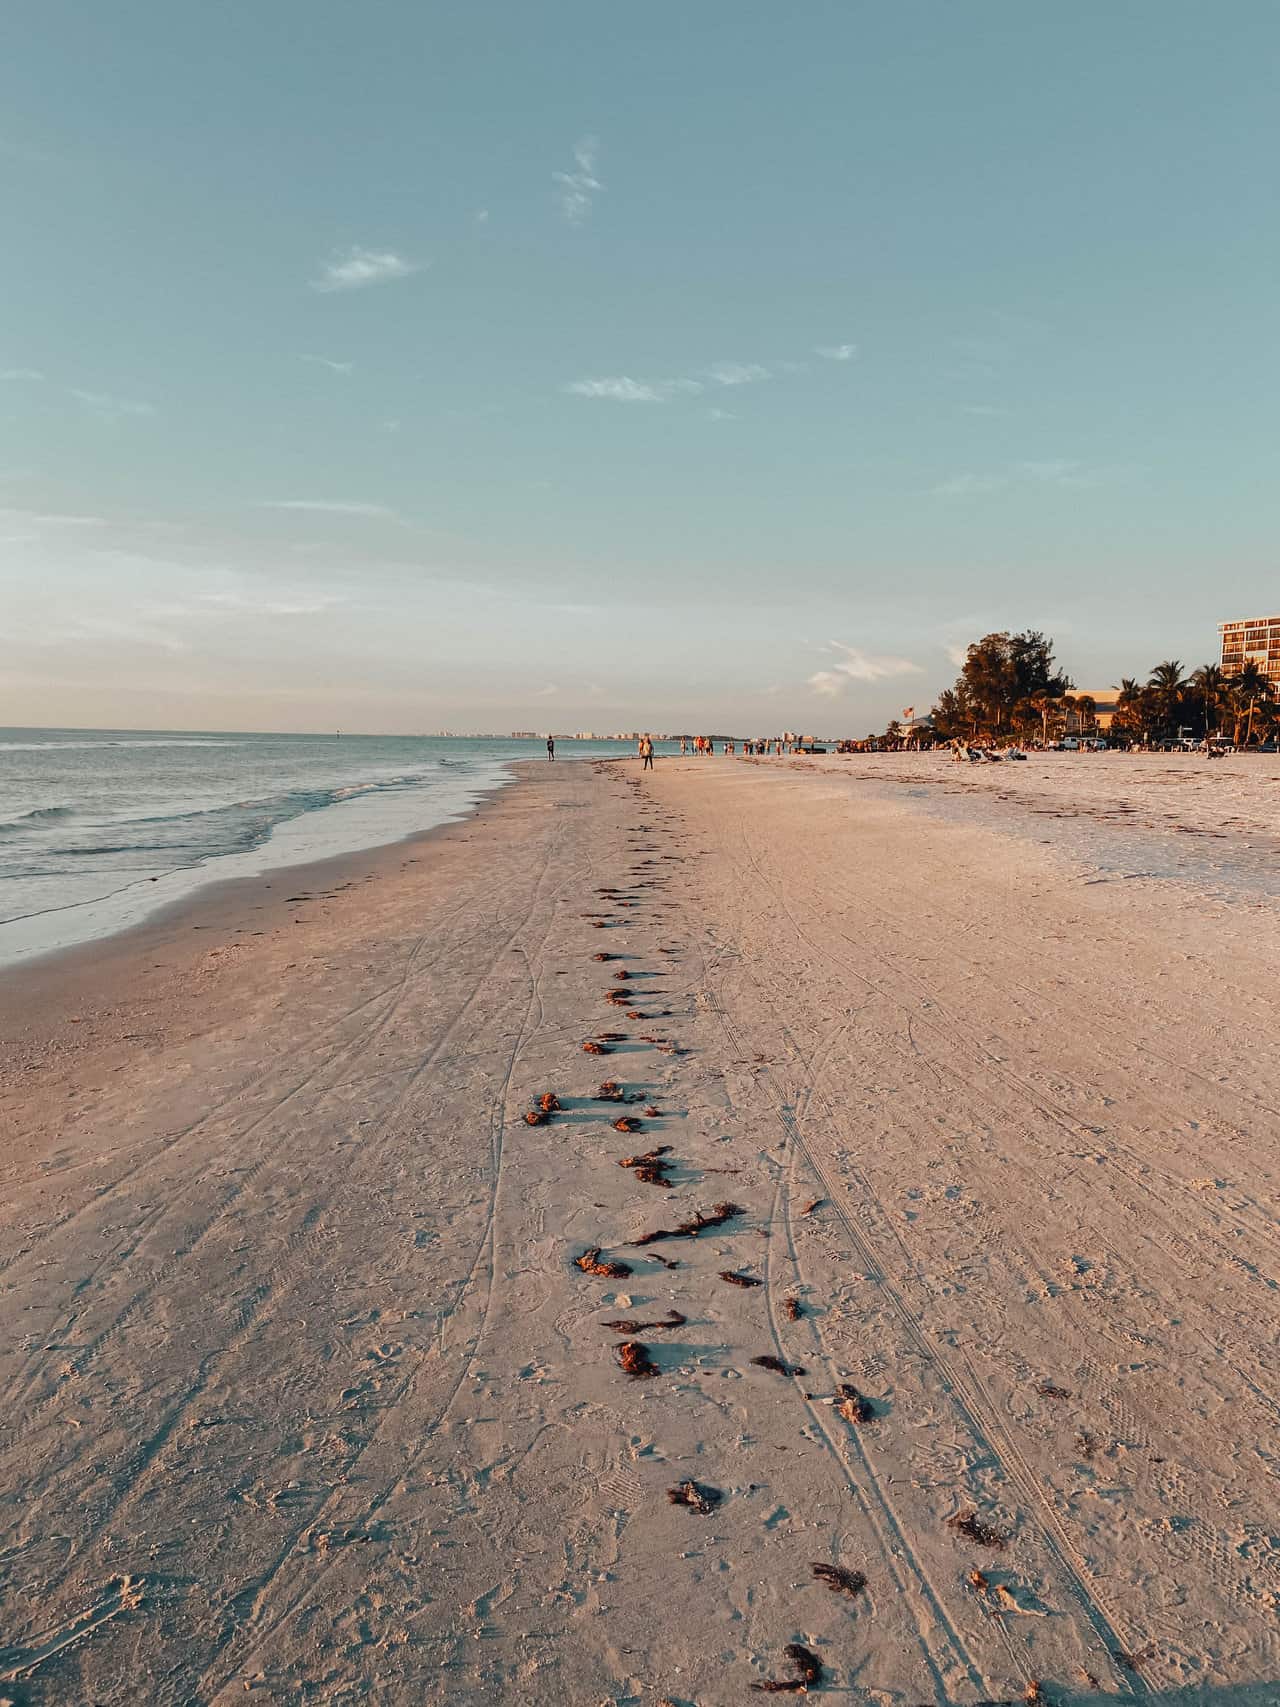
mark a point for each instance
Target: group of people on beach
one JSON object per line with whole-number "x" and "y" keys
{"x": 704, "y": 746}
{"x": 963, "y": 753}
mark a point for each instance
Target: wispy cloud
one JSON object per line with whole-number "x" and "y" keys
{"x": 623, "y": 389}
{"x": 14, "y": 373}
{"x": 714, "y": 414}
{"x": 84, "y": 628}
{"x": 329, "y": 507}
{"x": 968, "y": 485}
{"x": 481, "y": 216}
{"x": 829, "y": 683}
{"x": 354, "y": 268}
{"x": 109, "y": 408}
{"x": 738, "y": 373}
{"x": 243, "y": 603}
{"x": 1047, "y": 471}
{"x": 855, "y": 665}
{"x": 40, "y": 518}
{"x": 546, "y": 692}
{"x": 333, "y": 367}
{"x": 579, "y": 188}
{"x": 617, "y": 390}
{"x": 1062, "y": 471}
{"x": 837, "y": 352}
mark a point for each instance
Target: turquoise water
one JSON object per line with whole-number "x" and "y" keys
{"x": 98, "y": 827}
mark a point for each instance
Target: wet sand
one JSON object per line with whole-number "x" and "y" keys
{"x": 304, "y": 1397}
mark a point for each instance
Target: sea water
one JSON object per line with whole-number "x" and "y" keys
{"x": 98, "y": 828}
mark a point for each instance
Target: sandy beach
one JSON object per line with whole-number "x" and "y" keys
{"x": 305, "y": 1398}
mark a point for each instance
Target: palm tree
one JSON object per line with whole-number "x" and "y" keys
{"x": 1211, "y": 685}
{"x": 1268, "y": 719}
{"x": 1248, "y": 689}
{"x": 1166, "y": 680}
{"x": 1132, "y": 704}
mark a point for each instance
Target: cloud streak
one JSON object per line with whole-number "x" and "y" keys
{"x": 579, "y": 188}
{"x": 968, "y": 485}
{"x": 738, "y": 373}
{"x": 356, "y": 268}
{"x": 333, "y": 367}
{"x": 619, "y": 389}
{"x": 237, "y": 603}
{"x": 622, "y": 388}
{"x": 109, "y": 408}
{"x": 330, "y": 507}
{"x": 1047, "y": 471}
{"x": 855, "y": 665}
{"x": 39, "y": 518}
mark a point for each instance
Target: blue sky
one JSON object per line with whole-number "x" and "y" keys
{"x": 398, "y": 366}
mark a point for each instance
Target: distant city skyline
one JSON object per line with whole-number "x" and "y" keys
{"x": 385, "y": 369}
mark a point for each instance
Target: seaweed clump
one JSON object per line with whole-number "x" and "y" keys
{"x": 768, "y": 1361}
{"x": 853, "y": 1406}
{"x": 636, "y": 1362}
{"x": 697, "y": 1496}
{"x": 589, "y": 1262}
{"x": 839, "y": 1580}
{"x": 699, "y": 1223}
{"x": 808, "y": 1667}
{"x": 650, "y": 1168}
{"x": 626, "y": 1325}
{"x": 971, "y": 1526}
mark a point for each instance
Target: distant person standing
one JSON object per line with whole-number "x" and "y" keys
{"x": 646, "y": 753}
{"x": 551, "y": 746}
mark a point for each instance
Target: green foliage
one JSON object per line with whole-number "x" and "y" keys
{"x": 1008, "y": 683}
{"x": 1010, "y": 687}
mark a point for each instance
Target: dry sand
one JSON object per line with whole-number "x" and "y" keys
{"x": 301, "y": 1393}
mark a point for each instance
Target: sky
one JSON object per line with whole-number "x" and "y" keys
{"x": 400, "y": 366}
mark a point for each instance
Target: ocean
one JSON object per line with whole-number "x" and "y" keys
{"x": 99, "y": 828}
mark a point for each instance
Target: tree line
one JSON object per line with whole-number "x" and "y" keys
{"x": 1010, "y": 688}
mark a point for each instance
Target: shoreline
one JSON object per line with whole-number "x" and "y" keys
{"x": 217, "y": 895}
{"x": 134, "y": 905}
{"x": 84, "y": 980}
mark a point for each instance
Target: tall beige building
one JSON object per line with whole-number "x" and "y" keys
{"x": 1256, "y": 640}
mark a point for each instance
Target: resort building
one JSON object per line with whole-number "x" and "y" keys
{"x": 1104, "y": 709}
{"x": 1256, "y": 640}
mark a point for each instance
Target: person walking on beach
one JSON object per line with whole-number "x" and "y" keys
{"x": 551, "y": 746}
{"x": 646, "y": 753}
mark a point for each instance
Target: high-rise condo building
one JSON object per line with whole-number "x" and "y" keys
{"x": 1256, "y": 640}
